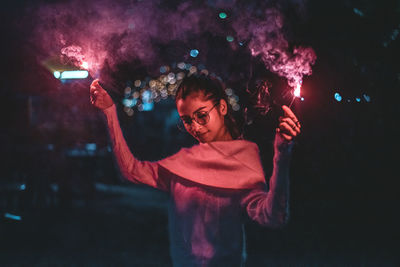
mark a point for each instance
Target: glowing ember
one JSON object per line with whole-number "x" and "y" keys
{"x": 296, "y": 91}
{"x": 85, "y": 65}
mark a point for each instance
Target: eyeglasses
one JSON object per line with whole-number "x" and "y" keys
{"x": 201, "y": 117}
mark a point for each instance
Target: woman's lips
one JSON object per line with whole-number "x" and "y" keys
{"x": 201, "y": 134}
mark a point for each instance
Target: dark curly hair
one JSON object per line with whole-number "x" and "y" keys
{"x": 213, "y": 89}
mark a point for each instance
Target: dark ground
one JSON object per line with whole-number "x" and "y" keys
{"x": 127, "y": 226}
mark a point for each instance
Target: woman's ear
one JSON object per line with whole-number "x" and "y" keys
{"x": 223, "y": 107}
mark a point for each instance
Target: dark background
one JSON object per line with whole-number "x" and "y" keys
{"x": 75, "y": 209}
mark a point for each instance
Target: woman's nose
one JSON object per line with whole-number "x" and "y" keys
{"x": 195, "y": 126}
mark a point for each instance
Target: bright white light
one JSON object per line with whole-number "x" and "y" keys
{"x": 57, "y": 74}
{"x": 296, "y": 92}
{"x": 74, "y": 74}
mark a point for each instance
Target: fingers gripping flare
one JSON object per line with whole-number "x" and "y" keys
{"x": 289, "y": 126}
{"x": 99, "y": 97}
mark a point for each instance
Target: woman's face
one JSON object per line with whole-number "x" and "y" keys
{"x": 196, "y": 105}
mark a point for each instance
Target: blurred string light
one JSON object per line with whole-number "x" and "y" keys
{"x": 358, "y": 12}
{"x": 144, "y": 93}
{"x": 12, "y": 216}
{"x": 393, "y": 36}
{"x": 232, "y": 99}
{"x": 358, "y": 99}
{"x": 367, "y": 98}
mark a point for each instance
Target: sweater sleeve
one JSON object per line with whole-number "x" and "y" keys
{"x": 271, "y": 208}
{"x": 132, "y": 169}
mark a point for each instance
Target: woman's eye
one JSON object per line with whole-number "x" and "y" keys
{"x": 201, "y": 115}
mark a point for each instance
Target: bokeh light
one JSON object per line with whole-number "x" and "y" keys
{"x": 181, "y": 65}
{"x": 128, "y": 90}
{"x": 194, "y": 53}
{"x": 129, "y": 102}
{"x": 149, "y": 90}
{"x": 338, "y": 97}
{"x": 12, "y": 216}
{"x": 223, "y": 15}
{"x": 230, "y": 38}
{"x": 163, "y": 69}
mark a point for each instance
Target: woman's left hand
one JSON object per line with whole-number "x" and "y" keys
{"x": 289, "y": 125}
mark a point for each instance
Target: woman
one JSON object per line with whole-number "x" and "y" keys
{"x": 213, "y": 186}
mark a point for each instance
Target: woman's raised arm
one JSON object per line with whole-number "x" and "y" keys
{"x": 143, "y": 172}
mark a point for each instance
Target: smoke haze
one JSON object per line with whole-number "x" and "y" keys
{"x": 113, "y": 32}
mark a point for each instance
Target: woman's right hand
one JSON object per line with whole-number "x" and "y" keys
{"x": 99, "y": 97}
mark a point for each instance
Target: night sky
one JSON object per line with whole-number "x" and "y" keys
{"x": 61, "y": 193}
